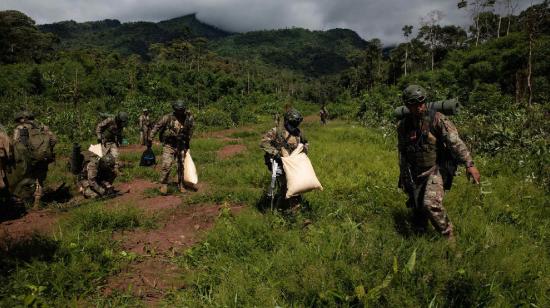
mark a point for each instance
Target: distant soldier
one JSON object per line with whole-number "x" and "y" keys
{"x": 323, "y": 114}
{"x": 428, "y": 142}
{"x": 286, "y": 136}
{"x": 109, "y": 134}
{"x": 37, "y": 142}
{"x": 6, "y": 162}
{"x": 175, "y": 131}
{"x": 144, "y": 126}
{"x": 97, "y": 175}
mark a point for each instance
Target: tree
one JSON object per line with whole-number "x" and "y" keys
{"x": 407, "y": 30}
{"x": 20, "y": 40}
{"x": 534, "y": 20}
{"x": 429, "y": 31}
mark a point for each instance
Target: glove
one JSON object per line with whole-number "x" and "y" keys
{"x": 99, "y": 141}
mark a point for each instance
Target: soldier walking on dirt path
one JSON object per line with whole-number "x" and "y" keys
{"x": 175, "y": 132}
{"x": 38, "y": 142}
{"x": 286, "y": 136}
{"x": 144, "y": 126}
{"x": 429, "y": 148}
{"x": 323, "y": 114}
{"x": 109, "y": 134}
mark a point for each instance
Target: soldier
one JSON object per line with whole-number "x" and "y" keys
{"x": 287, "y": 136}
{"x": 6, "y": 162}
{"x": 97, "y": 175}
{"x": 175, "y": 131}
{"x": 109, "y": 134}
{"x": 144, "y": 126}
{"x": 427, "y": 143}
{"x": 30, "y": 133}
{"x": 323, "y": 114}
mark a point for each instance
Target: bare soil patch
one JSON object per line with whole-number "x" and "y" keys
{"x": 231, "y": 150}
{"x": 41, "y": 222}
{"x": 154, "y": 274}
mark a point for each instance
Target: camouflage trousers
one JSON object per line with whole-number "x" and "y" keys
{"x": 143, "y": 135}
{"x": 430, "y": 205}
{"x": 112, "y": 148}
{"x": 85, "y": 188}
{"x": 169, "y": 156}
{"x": 39, "y": 173}
{"x": 292, "y": 203}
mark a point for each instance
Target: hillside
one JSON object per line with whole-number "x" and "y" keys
{"x": 313, "y": 53}
{"x": 131, "y": 37}
{"x": 219, "y": 247}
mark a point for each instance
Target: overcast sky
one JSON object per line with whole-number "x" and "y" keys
{"x": 370, "y": 18}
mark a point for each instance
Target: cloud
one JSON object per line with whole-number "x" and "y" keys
{"x": 369, "y": 18}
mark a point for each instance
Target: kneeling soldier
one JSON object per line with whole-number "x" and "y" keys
{"x": 97, "y": 175}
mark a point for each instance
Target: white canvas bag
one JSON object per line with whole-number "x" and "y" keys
{"x": 300, "y": 176}
{"x": 190, "y": 175}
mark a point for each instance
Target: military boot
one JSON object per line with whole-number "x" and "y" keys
{"x": 164, "y": 189}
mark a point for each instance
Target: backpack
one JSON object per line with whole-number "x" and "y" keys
{"x": 38, "y": 145}
{"x": 148, "y": 158}
{"x": 446, "y": 160}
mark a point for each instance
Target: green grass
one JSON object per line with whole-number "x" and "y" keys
{"x": 359, "y": 251}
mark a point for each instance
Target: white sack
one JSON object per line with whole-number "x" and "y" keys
{"x": 97, "y": 149}
{"x": 300, "y": 176}
{"x": 190, "y": 175}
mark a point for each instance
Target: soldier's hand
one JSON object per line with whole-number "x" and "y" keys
{"x": 473, "y": 173}
{"x": 99, "y": 141}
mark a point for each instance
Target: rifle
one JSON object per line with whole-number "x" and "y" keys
{"x": 182, "y": 147}
{"x": 274, "y": 169}
{"x": 409, "y": 186}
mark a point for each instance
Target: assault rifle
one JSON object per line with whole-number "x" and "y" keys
{"x": 274, "y": 170}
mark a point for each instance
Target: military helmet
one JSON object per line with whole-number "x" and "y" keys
{"x": 122, "y": 117}
{"x": 145, "y": 110}
{"x": 25, "y": 114}
{"x": 293, "y": 115}
{"x": 414, "y": 94}
{"x": 107, "y": 162}
{"x": 178, "y": 106}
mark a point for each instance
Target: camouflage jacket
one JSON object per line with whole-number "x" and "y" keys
{"x": 6, "y": 152}
{"x": 144, "y": 121}
{"x": 92, "y": 173}
{"x": 173, "y": 132}
{"x": 33, "y": 124}
{"x": 420, "y": 143}
{"x": 109, "y": 131}
{"x": 278, "y": 138}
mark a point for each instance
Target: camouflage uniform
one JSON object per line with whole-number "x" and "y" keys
{"x": 323, "y": 114}
{"x": 96, "y": 179}
{"x": 144, "y": 128}
{"x": 174, "y": 134}
{"x": 109, "y": 132}
{"x": 273, "y": 142}
{"x": 39, "y": 171}
{"x": 6, "y": 158}
{"x": 420, "y": 145}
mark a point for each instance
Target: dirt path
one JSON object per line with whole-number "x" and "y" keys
{"x": 153, "y": 274}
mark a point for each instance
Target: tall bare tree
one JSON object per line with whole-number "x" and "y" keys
{"x": 407, "y": 30}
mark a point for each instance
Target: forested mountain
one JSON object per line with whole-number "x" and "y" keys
{"x": 312, "y": 53}
{"x": 131, "y": 37}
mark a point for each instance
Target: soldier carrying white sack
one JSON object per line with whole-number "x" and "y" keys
{"x": 285, "y": 137}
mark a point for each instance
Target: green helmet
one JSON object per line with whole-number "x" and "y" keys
{"x": 25, "y": 114}
{"x": 293, "y": 115}
{"x": 179, "y": 106}
{"x": 122, "y": 118}
{"x": 107, "y": 162}
{"x": 414, "y": 94}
